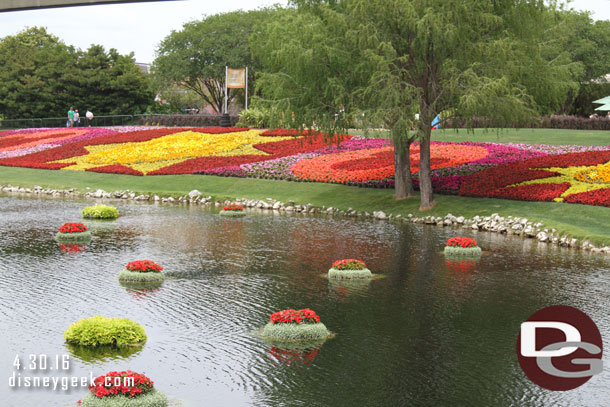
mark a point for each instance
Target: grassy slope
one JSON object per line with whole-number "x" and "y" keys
{"x": 579, "y": 220}
{"x": 529, "y": 136}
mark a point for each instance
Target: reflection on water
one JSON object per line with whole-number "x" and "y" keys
{"x": 433, "y": 331}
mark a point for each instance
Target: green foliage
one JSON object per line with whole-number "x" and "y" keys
{"x": 139, "y": 277}
{"x": 99, "y": 330}
{"x": 295, "y": 332}
{"x": 104, "y": 353}
{"x": 232, "y": 214}
{"x": 40, "y": 76}
{"x": 385, "y": 60}
{"x": 100, "y": 212}
{"x": 154, "y": 398}
{"x": 73, "y": 237}
{"x": 349, "y": 274}
{"x": 462, "y": 251}
{"x": 195, "y": 57}
{"x": 255, "y": 117}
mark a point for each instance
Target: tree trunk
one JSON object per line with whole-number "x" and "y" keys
{"x": 425, "y": 181}
{"x": 403, "y": 181}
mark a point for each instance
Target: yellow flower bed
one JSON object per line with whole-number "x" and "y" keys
{"x": 576, "y": 176}
{"x": 161, "y": 152}
{"x": 596, "y": 175}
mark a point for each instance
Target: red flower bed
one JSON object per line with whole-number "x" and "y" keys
{"x": 72, "y": 228}
{"x": 496, "y": 182}
{"x": 349, "y": 264}
{"x": 461, "y": 242}
{"x": 534, "y": 192}
{"x": 126, "y": 383}
{"x": 598, "y": 197}
{"x": 115, "y": 169}
{"x": 206, "y": 163}
{"x": 233, "y": 207}
{"x": 299, "y": 145}
{"x": 143, "y": 266}
{"x": 290, "y": 316}
{"x": 41, "y": 159}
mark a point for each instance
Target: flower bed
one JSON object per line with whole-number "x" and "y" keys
{"x": 123, "y": 389}
{"x": 141, "y": 271}
{"x": 462, "y": 246}
{"x": 573, "y": 177}
{"x": 295, "y": 325}
{"x": 349, "y": 269}
{"x": 97, "y": 330}
{"x": 232, "y": 210}
{"x": 100, "y": 212}
{"x": 73, "y": 232}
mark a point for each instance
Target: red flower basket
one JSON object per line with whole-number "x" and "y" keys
{"x": 72, "y": 228}
{"x": 461, "y": 242}
{"x": 143, "y": 266}
{"x": 233, "y": 207}
{"x": 291, "y": 316}
{"x": 126, "y": 383}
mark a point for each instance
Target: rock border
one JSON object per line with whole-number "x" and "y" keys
{"x": 510, "y": 225}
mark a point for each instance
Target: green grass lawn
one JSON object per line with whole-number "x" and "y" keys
{"x": 528, "y": 136}
{"x": 579, "y": 220}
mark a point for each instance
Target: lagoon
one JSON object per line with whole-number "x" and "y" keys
{"x": 430, "y": 332}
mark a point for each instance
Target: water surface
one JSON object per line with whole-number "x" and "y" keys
{"x": 430, "y": 333}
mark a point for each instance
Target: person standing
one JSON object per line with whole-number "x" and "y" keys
{"x": 89, "y": 117}
{"x": 76, "y": 118}
{"x": 71, "y": 117}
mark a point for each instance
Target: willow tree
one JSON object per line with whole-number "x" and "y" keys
{"x": 390, "y": 59}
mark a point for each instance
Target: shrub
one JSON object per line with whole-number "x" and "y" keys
{"x": 292, "y": 325}
{"x": 185, "y": 120}
{"x": 100, "y": 212}
{"x": 256, "y": 117}
{"x": 99, "y": 330}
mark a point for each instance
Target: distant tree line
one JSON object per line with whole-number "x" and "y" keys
{"x": 41, "y": 76}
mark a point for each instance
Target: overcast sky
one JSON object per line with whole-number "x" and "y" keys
{"x": 139, "y": 27}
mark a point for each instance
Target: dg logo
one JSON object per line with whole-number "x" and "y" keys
{"x": 560, "y": 348}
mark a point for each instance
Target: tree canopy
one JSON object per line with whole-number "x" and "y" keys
{"x": 390, "y": 59}
{"x": 195, "y": 57}
{"x": 41, "y": 77}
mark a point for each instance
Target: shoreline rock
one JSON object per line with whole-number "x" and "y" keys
{"x": 509, "y": 225}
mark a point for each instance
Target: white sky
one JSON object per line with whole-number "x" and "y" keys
{"x": 139, "y": 27}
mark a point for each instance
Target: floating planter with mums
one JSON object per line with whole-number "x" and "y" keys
{"x": 97, "y": 331}
{"x": 349, "y": 269}
{"x": 73, "y": 232}
{"x": 100, "y": 212}
{"x": 462, "y": 246}
{"x": 233, "y": 210}
{"x": 123, "y": 389}
{"x": 291, "y": 325}
{"x": 141, "y": 271}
